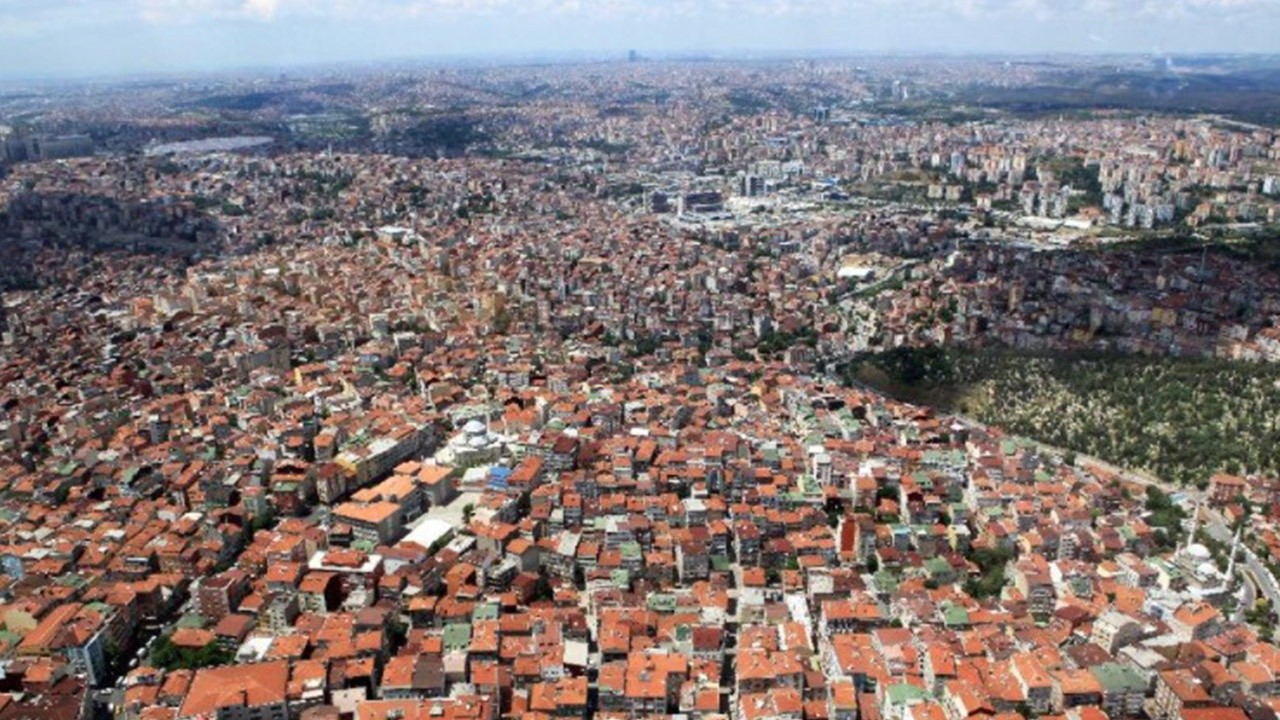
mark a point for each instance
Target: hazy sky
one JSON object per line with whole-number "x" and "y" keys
{"x": 97, "y": 37}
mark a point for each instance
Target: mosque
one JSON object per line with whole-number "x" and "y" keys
{"x": 476, "y": 445}
{"x": 1192, "y": 569}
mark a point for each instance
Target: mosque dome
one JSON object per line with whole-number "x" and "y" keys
{"x": 1198, "y": 553}
{"x": 1207, "y": 570}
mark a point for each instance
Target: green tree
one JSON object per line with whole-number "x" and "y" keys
{"x": 168, "y": 656}
{"x": 990, "y": 580}
{"x": 542, "y": 590}
{"x": 264, "y": 521}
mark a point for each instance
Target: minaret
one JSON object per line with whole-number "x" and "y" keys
{"x": 1231, "y": 561}
{"x": 1195, "y": 521}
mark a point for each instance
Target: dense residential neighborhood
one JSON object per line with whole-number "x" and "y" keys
{"x": 557, "y": 429}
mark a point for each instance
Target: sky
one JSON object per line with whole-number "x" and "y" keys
{"x": 87, "y": 38}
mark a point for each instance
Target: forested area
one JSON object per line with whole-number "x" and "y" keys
{"x": 1180, "y": 419}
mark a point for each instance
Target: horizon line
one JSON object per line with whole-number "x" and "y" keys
{"x": 570, "y": 57}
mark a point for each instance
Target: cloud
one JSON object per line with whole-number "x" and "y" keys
{"x": 265, "y": 9}
{"x": 92, "y": 36}
{"x": 21, "y": 17}
{"x": 30, "y": 14}
{"x": 183, "y": 12}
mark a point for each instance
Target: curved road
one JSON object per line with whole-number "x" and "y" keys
{"x": 1212, "y": 521}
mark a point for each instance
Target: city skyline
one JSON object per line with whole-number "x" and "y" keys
{"x": 113, "y": 37}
